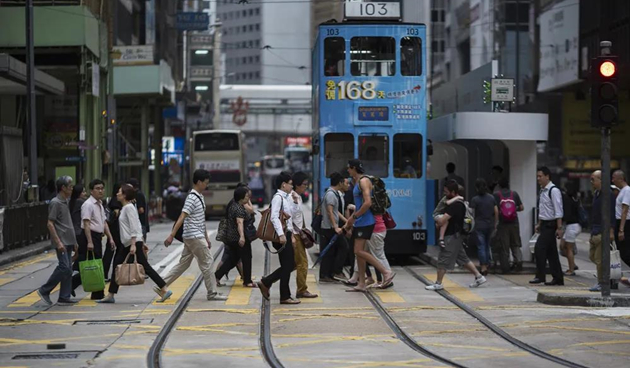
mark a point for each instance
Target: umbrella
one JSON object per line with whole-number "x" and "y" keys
{"x": 323, "y": 252}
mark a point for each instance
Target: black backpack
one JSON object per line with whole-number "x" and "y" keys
{"x": 380, "y": 198}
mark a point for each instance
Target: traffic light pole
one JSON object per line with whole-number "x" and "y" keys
{"x": 606, "y": 212}
{"x": 605, "y": 47}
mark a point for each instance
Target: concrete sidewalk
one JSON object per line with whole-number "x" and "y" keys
{"x": 19, "y": 254}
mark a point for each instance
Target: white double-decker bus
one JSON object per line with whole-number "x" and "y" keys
{"x": 221, "y": 153}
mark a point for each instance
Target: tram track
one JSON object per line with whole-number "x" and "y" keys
{"x": 154, "y": 356}
{"x": 266, "y": 346}
{"x": 488, "y": 324}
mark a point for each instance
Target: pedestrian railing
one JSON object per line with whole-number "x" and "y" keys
{"x": 22, "y": 225}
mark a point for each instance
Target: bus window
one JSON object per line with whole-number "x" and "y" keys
{"x": 407, "y": 156}
{"x": 216, "y": 142}
{"x": 334, "y": 56}
{"x": 338, "y": 150}
{"x": 274, "y": 163}
{"x": 410, "y": 56}
{"x": 374, "y": 153}
{"x": 373, "y": 56}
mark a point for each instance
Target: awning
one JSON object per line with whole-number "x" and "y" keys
{"x": 145, "y": 81}
{"x": 511, "y": 126}
{"x": 13, "y": 79}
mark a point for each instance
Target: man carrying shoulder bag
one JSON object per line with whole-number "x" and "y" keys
{"x": 196, "y": 241}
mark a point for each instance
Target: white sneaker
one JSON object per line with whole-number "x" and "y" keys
{"x": 435, "y": 286}
{"x": 217, "y": 297}
{"x": 478, "y": 282}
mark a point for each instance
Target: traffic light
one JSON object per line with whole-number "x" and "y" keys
{"x": 604, "y": 92}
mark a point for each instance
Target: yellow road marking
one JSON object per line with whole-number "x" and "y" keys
{"x": 27, "y": 263}
{"x": 30, "y": 299}
{"x": 460, "y": 292}
{"x": 87, "y": 301}
{"x": 388, "y": 296}
{"x": 5, "y": 281}
{"x": 239, "y": 294}
{"x": 598, "y": 343}
{"x": 311, "y": 284}
{"x": 178, "y": 288}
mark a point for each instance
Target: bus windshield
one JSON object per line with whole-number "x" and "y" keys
{"x": 216, "y": 142}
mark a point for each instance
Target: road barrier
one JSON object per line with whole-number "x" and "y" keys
{"x": 22, "y": 225}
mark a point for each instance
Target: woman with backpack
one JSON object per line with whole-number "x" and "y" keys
{"x": 571, "y": 206}
{"x": 486, "y": 220}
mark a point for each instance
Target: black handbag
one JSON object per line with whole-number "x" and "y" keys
{"x": 250, "y": 229}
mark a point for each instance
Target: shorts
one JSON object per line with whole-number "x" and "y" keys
{"x": 453, "y": 252}
{"x": 571, "y": 233}
{"x": 363, "y": 232}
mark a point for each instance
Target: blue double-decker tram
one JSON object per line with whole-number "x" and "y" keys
{"x": 369, "y": 97}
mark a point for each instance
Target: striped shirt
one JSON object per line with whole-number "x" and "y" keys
{"x": 195, "y": 222}
{"x": 550, "y": 203}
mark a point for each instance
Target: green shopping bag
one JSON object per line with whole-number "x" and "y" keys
{"x": 92, "y": 275}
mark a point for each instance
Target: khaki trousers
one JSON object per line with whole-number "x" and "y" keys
{"x": 301, "y": 265}
{"x": 595, "y": 254}
{"x": 195, "y": 248}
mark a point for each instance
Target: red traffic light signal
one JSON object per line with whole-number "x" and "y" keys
{"x": 607, "y": 69}
{"x": 604, "y": 92}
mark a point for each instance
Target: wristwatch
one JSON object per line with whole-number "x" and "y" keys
{"x": 355, "y": 217}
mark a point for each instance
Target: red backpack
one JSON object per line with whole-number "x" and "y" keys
{"x": 507, "y": 208}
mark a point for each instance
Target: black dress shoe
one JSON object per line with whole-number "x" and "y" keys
{"x": 555, "y": 282}
{"x": 536, "y": 281}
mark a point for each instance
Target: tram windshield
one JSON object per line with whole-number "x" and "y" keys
{"x": 411, "y": 56}
{"x": 407, "y": 156}
{"x": 339, "y": 149}
{"x": 274, "y": 163}
{"x": 373, "y": 56}
{"x": 334, "y": 56}
{"x": 374, "y": 153}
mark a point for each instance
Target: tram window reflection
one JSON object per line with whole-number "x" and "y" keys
{"x": 334, "y": 56}
{"x": 338, "y": 149}
{"x": 407, "y": 156}
{"x": 411, "y": 56}
{"x": 373, "y": 56}
{"x": 374, "y": 153}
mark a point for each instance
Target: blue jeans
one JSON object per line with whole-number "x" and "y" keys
{"x": 483, "y": 245}
{"x": 61, "y": 275}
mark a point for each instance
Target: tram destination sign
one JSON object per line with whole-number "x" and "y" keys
{"x": 372, "y": 10}
{"x": 502, "y": 90}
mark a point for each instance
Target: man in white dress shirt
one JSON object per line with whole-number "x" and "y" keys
{"x": 622, "y": 224}
{"x": 550, "y": 214}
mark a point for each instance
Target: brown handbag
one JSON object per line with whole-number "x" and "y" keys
{"x": 130, "y": 273}
{"x": 307, "y": 238}
{"x": 266, "y": 231}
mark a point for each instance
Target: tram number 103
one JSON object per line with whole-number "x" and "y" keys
{"x": 355, "y": 90}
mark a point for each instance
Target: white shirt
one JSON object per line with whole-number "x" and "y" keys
{"x": 281, "y": 200}
{"x": 550, "y": 207}
{"x": 297, "y": 216}
{"x": 129, "y": 223}
{"x": 622, "y": 198}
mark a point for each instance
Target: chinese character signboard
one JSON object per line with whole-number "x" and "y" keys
{"x": 187, "y": 21}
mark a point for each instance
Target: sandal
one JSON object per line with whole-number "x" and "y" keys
{"x": 356, "y": 290}
{"x": 250, "y": 285}
{"x": 441, "y": 243}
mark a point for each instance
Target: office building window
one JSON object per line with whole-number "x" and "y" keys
{"x": 257, "y": 59}
{"x": 251, "y": 27}
{"x": 244, "y": 29}
{"x": 251, "y": 12}
{"x": 258, "y": 26}
{"x": 250, "y": 43}
{"x": 244, "y": 60}
{"x": 257, "y": 11}
{"x": 257, "y": 43}
{"x": 251, "y": 59}
{"x": 244, "y": 13}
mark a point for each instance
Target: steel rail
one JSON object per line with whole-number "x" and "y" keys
{"x": 494, "y": 328}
